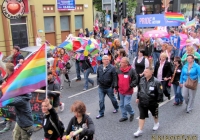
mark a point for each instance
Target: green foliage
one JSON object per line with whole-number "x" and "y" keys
{"x": 98, "y": 5}
{"x": 131, "y": 5}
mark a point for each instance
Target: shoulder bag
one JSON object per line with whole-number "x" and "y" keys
{"x": 191, "y": 84}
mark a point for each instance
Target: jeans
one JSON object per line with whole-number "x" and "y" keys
{"x": 115, "y": 25}
{"x": 156, "y": 57}
{"x": 78, "y": 69}
{"x": 110, "y": 93}
{"x": 131, "y": 56}
{"x": 178, "y": 93}
{"x": 86, "y": 75}
{"x": 176, "y": 52}
{"x": 125, "y": 105}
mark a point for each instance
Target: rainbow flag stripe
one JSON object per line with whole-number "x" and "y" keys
{"x": 190, "y": 23}
{"x": 175, "y": 17}
{"x": 30, "y": 76}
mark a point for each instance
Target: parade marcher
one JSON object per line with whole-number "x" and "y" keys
{"x": 87, "y": 33}
{"x": 175, "y": 80}
{"x": 157, "y": 45}
{"x": 64, "y": 58}
{"x": 106, "y": 78}
{"x": 148, "y": 50}
{"x": 81, "y": 34}
{"x": 126, "y": 80}
{"x": 149, "y": 95}
{"x": 125, "y": 44}
{"x": 190, "y": 51}
{"x": 16, "y": 55}
{"x": 87, "y": 69}
{"x": 190, "y": 71}
{"x": 80, "y": 120}
{"x": 133, "y": 48}
{"x": 22, "y": 106}
{"x": 50, "y": 122}
{"x": 54, "y": 92}
{"x": 139, "y": 64}
{"x": 120, "y": 54}
{"x": 170, "y": 53}
{"x": 163, "y": 73}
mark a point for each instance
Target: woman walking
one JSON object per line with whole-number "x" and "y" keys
{"x": 190, "y": 70}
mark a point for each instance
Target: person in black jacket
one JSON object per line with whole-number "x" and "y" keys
{"x": 163, "y": 73}
{"x": 50, "y": 132}
{"x": 106, "y": 78}
{"x": 80, "y": 120}
{"x": 16, "y": 55}
{"x": 149, "y": 94}
{"x": 87, "y": 33}
{"x": 87, "y": 69}
{"x": 175, "y": 81}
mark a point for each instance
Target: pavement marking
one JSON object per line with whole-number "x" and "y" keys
{"x": 83, "y": 92}
{"x": 163, "y": 103}
{"x": 82, "y": 76}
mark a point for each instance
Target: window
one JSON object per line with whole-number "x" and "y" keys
{"x": 78, "y": 22}
{"x": 17, "y": 21}
{"x": 186, "y": 9}
{"x": 49, "y": 24}
{"x": 64, "y": 23}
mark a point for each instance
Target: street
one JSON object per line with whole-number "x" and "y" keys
{"x": 173, "y": 119}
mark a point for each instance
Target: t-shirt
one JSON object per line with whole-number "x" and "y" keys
{"x": 175, "y": 41}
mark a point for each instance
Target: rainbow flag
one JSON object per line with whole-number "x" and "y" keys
{"x": 30, "y": 76}
{"x": 190, "y": 23}
{"x": 175, "y": 17}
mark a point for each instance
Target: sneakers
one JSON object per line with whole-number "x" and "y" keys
{"x": 156, "y": 126}
{"x": 123, "y": 119}
{"x": 138, "y": 133}
{"x": 78, "y": 80}
{"x": 69, "y": 82}
{"x": 84, "y": 89}
{"x": 7, "y": 128}
{"x": 115, "y": 111}
{"x": 61, "y": 88}
{"x": 99, "y": 116}
{"x": 62, "y": 107}
{"x": 131, "y": 117}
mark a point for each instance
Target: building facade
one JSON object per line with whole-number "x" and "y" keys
{"x": 43, "y": 19}
{"x": 186, "y": 7}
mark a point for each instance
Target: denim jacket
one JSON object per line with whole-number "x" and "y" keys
{"x": 194, "y": 73}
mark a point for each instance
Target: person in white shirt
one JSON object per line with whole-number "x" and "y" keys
{"x": 125, "y": 44}
{"x": 194, "y": 40}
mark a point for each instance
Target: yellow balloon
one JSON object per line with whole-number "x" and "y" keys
{"x": 85, "y": 53}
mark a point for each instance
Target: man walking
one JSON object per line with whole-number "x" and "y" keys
{"x": 106, "y": 76}
{"x": 133, "y": 48}
{"x": 127, "y": 79}
{"x": 149, "y": 94}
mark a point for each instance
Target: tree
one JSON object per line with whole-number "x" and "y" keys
{"x": 131, "y": 5}
{"x": 98, "y": 5}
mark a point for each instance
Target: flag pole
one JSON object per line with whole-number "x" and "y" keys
{"x": 46, "y": 80}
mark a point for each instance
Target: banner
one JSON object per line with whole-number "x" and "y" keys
{"x": 154, "y": 20}
{"x": 38, "y": 96}
{"x": 66, "y": 5}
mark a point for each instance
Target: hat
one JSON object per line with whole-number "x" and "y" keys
{"x": 16, "y": 48}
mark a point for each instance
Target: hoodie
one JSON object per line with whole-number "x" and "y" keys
{"x": 126, "y": 80}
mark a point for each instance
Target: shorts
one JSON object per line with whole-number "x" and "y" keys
{"x": 144, "y": 111}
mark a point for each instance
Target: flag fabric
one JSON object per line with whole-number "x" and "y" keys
{"x": 190, "y": 23}
{"x": 170, "y": 16}
{"x": 30, "y": 76}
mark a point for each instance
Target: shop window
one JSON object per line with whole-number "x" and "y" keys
{"x": 49, "y": 24}
{"x": 64, "y": 23}
{"x": 186, "y": 9}
{"x": 78, "y": 22}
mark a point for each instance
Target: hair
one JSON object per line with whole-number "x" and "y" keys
{"x": 81, "y": 30}
{"x": 123, "y": 52}
{"x": 10, "y": 67}
{"x": 142, "y": 51}
{"x": 172, "y": 31}
{"x": 150, "y": 68}
{"x": 127, "y": 59}
{"x": 191, "y": 48}
{"x": 16, "y": 48}
{"x": 79, "y": 107}
{"x": 49, "y": 72}
{"x": 163, "y": 54}
{"x": 191, "y": 56}
{"x": 177, "y": 59}
{"x": 105, "y": 57}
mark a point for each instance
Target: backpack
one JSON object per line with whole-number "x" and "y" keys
{"x": 60, "y": 128}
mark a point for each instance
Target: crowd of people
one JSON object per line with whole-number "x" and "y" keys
{"x": 153, "y": 65}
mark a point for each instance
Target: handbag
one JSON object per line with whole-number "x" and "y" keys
{"x": 191, "y": 84}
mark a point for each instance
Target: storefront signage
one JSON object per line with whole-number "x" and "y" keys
{"x": 153, "y": 20}
{"x": 66, "y": 5}
{"x": 13, "y": 9}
